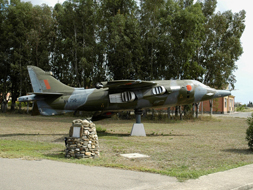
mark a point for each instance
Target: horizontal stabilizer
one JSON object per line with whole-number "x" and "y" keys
{"x": 38, "y": 96}
{"x": 27, "y": 98}
{"x": 48, "y": 94}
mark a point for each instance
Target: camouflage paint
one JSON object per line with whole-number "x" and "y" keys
{"x": 54, "y": 97}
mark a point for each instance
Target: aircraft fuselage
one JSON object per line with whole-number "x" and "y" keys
{"x": 53, "y": 97}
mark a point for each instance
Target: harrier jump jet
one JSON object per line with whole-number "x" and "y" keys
{"x": 53, "y": 97}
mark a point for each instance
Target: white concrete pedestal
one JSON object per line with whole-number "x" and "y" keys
{"x": 138, "y": 130}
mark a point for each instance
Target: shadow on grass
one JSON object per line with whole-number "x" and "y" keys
{"x": 239, "y": 151}
{"x": 105, "y": 134}
{"x": 114, "y": 122}
{"x": 50, "y": 119}
{"x": 39, "y": 118}
{"x": 131, "y": 121}
{"x": 102, "y": 134}
{"x": 32, "y": 134}
{"x": 167, "y": 135}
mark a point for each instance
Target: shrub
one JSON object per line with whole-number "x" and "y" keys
{"x": 241, "y": 108}
{"x": 249, "y": 132}
{"x": 99, "y": 129}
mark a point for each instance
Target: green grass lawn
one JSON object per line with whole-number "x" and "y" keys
{"x": 184, "y": 149}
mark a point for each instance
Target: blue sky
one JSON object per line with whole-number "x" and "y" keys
{"x": 244, "y": 73}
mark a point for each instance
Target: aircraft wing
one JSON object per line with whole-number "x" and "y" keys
{"x": 127, "y": 84}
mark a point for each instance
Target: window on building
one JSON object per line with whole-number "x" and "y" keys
{"x": 225, "y": 102}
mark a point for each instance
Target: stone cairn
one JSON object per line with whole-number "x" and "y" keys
{"x": 82, "y": 141}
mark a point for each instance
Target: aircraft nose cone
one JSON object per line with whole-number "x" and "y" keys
{"x": 222, "y": 93}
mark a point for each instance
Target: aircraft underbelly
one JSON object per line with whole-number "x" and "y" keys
{"x": 46, "y": 109}
{"x": 155, "y": 101}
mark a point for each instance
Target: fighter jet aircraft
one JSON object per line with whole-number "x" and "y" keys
{"x": 53, "y": 97}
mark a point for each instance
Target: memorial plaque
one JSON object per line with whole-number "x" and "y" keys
{"x": 76, "y": 132}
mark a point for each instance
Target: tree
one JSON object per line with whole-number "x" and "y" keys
{"x": 181, "y": 33}
{"x": 76, "y": 26}
{"x": 121, "y": 34}
{"x": 17, "y": 26}
{"x": 39, "y": 37}
{"x": 149, "y": 22}
{"x": 221, "y": 47}
{"x": 59, "y": 61}
{"x": 4, "y": 82}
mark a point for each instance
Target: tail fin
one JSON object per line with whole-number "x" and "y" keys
{"x": 44, "y": 81}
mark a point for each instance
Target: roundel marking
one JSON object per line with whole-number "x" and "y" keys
{"x": 189, "y": 87}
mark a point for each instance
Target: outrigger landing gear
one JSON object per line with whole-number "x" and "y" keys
{"x": 138, "y": 127}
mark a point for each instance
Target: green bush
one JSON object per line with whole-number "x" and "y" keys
{"x": 99, "y": 129}
{"x": 241, "y": 108}
{"x": 249, "y": 132}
